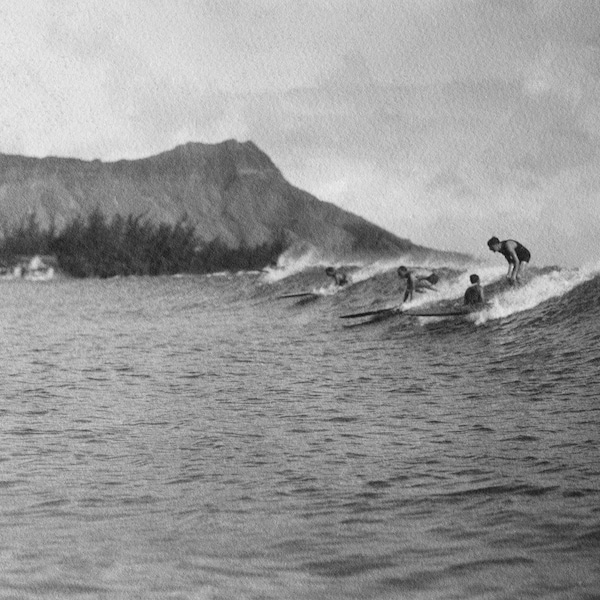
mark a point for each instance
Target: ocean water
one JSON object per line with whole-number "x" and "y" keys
{"x": 200, "y": 437}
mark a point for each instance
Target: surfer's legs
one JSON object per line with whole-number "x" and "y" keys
{"x": 424, "y": 286}
{"x": 517, "y": 270}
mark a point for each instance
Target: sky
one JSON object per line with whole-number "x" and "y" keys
{"x": 443, "y": 121}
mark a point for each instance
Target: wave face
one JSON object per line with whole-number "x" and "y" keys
{"x": 203, "y": 437}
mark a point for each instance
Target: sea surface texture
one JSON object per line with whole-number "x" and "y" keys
{"x": 200, "y": 437}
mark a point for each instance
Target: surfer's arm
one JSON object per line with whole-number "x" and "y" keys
{"x": 513, "y": 262}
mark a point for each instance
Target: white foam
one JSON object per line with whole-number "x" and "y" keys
{"x": 539, "y": 289}
{"x": 367, "y": 271}
{"x": 327, "y": 290}
{"x": 290, "y": 263}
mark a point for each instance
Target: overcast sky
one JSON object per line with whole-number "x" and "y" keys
{"x": 445, "y": 121}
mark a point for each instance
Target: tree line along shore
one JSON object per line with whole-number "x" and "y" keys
{"x": 98, "y": 247}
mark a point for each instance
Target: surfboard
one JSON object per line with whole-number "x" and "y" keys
{"x": 436, "y": 313}
{"x": 448, "y": 312}
{"x": 298, "y": 295}
{"x": 370, "y": 313}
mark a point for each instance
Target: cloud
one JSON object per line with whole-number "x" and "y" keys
{"x": 422, "y": 116}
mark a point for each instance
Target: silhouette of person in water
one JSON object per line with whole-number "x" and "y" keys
{"x": 416, "y": 283}
{"x": 515, "y": 253}
{"x": 474, "y": 294}
{"x": 338, "y": 275}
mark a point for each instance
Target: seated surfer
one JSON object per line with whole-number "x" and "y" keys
{"x": 474, "y": 294}
{"x": 515, "y": 253}
{"x": 338, "y": 275}
{"x": 416, "y": 282}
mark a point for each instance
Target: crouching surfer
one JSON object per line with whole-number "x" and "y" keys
{"x": 340, "y": 278}
{"x": 515, "y": 253}
{"x": 416, "y": 282}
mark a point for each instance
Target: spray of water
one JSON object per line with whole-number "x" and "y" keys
{"x": 539, "y": 289}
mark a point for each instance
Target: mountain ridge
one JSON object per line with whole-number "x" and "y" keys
{"x": 230, "y": 190}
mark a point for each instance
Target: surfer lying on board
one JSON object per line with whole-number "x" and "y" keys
{"x": 340, "y": 277}
{"x": 515, "y": 253}
{"x": 474, "y": 294}
{"x": 415, "y": 282}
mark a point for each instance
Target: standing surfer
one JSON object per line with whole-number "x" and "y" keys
{"x": 515, "y": 253}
